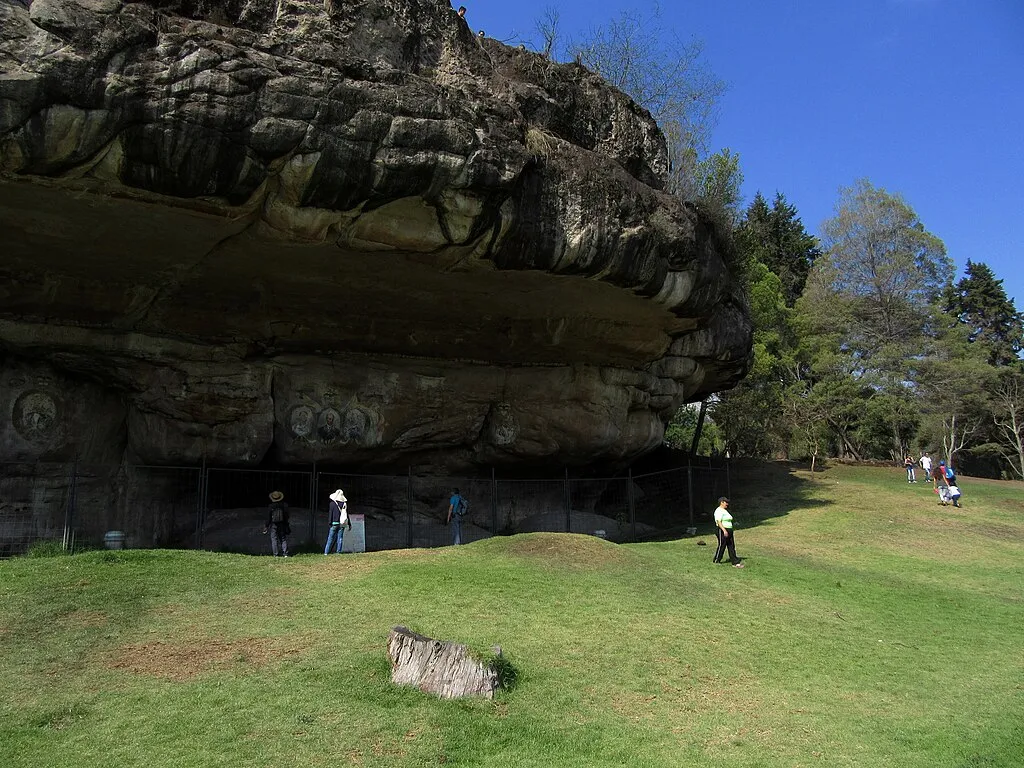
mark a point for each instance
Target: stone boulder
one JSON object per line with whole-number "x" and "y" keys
{"x": 260, "y": 231}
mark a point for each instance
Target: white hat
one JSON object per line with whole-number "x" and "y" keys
{"x": 338, "y": 495}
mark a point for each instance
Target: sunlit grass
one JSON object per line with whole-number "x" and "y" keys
{"x": 871, "y": 627}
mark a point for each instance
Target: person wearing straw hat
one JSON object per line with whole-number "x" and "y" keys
{"x": 277, "y": 524}
{"x": 339, "y": 520}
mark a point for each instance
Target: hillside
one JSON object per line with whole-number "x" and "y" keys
{"x": 871, "y": 627}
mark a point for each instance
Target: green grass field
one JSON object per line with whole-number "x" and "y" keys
{"x": 871, "y": 627}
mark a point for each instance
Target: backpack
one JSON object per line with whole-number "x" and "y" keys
{"x": 463, "y": 507}
{"x": 343, "y": 518}
{"x": 277, "y": 514}
{"x": 950, "y": 474}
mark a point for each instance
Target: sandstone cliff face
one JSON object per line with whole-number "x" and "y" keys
{"x": 355, "y": 232}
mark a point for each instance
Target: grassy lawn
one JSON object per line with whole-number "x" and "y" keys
{"x": 871, "y": 627}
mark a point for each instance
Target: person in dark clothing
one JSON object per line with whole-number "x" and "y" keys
{"x": 277, "y": 524}
{"x": 456, "y": 511}
{"x": 339, "y": 520}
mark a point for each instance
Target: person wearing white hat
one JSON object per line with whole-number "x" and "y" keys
{"x": 339, "y": 520}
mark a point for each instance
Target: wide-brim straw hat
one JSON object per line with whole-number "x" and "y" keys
{"x": 338, "y": 495}
{"x": 276, "y": 496}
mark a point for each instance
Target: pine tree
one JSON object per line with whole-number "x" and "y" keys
{"x": 776, "y": 237}
{"x": 979, "y": 302}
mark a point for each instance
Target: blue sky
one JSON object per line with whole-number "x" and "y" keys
{"x": 922, "y": 97}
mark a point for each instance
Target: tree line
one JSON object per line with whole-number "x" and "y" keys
{"x": 867, "y": 347}
{"x": 865, "y": 344}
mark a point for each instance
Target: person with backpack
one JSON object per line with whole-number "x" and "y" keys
{"x": 950, "y": 475}
{"x": 947, "y": 477}
{"x": 339, "y": 521}
{"x": 277, "y": 524}
{"x": 457, "y": 509}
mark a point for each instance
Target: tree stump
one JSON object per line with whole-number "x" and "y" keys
{"x": 444, "y": 668}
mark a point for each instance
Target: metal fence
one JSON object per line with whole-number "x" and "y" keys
{"x": 225, "y": 509}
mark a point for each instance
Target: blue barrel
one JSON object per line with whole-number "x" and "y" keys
{"x": 114, "y": 539}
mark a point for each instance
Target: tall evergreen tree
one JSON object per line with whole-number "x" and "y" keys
{"x": 979, "y": 302}
{"x": 776, "y": 237}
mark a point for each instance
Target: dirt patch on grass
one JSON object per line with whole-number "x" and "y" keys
{"x": 565, "y": 549}
{"x": 83, "y": 620}
{"x": 278, "y": 601}
{"x": 184, "y": 660}
{"x": 350, "y": 565}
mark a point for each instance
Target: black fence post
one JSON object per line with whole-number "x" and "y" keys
{"x": 567, "y": 497}
{"x": 494, "y": 503}
{"x": 69, "y": 508}
{"x": 313, "y": 492}
{"x": 204, "y": 489}
{"x": 632, "y": 505}
{"x": 689, "y": 486}
{"x": 408, "y": 510}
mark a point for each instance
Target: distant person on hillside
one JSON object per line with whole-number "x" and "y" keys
{"x": 277, "y": 524}
{"x": 456, "y": 510}
{"x": 908, "y": 464}
{"x": 338, "y": 511}
{"x": 462, "y": 11}
{"x": 926, "y": 465}
{"x": 724, "y": 532}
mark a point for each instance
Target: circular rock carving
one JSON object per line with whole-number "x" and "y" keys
{"x": 302, "y": 421}
{"x": 35, "y": 416}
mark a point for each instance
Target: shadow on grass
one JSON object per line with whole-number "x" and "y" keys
{"x": 759, "y": 491}
{"x": 762, "y": 490}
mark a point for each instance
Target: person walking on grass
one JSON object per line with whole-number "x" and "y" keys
{"x": 338, "y": 511}
{"x": 725, "y": 534}
{"x": 277, "y": 524}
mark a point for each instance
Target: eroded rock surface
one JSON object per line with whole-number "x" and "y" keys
{"x": 354, "y": 232}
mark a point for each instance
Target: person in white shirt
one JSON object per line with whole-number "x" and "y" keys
{"x": 926, "y": 465}
{"x": 725, "y": 533}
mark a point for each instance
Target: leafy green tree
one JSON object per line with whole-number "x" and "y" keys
{"x": 680, "y": 430}
{"x": 751, "y": 415}
{"x": 868, "y": 308}
{"x": 889, "y": 424}
{"x": 979, "y": 302}
{"x": 883, "y": 267}
{"x": 952, "y": 380}
{"x": 776, "y": 237}
{"x": 719, "y": 178}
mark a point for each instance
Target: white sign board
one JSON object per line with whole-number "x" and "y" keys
{"x": 355, "y": 539}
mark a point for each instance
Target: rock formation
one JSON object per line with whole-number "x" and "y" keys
{"x": 293, "y": 230}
